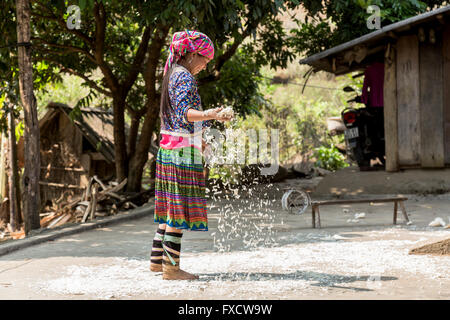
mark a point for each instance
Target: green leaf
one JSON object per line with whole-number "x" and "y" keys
{"x": 75, "y": 113}
{"x": 82, "y": 4}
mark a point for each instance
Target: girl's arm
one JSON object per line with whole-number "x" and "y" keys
{"x": 193, "y": 115}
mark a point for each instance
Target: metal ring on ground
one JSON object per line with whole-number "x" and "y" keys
{"x": 295, "y": 201}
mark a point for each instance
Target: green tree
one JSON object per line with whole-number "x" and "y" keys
{"x": 329, "y": 23}
{"x": 15, "y": 51}
{"x": 128, "y": 40}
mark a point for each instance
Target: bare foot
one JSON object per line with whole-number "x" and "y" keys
{"x": 174, "y": 273}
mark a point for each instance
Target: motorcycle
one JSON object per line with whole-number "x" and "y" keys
{"x": 364, "y": 133}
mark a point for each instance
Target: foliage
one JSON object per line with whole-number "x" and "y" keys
{"x": 234, "y": 88}
{"x": 312, "y": 38}
{"x": 128, "y": 42}
{"x": 228, "y": 174}
{"x": 329, "y": 158}
{"x": 224, "y": 22}
{"x": 299, "y": 117}
{"x": 329, "y": 23}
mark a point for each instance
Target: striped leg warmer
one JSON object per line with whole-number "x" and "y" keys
{"x": 172, "y": 248}
{"x": 157, "y": 248}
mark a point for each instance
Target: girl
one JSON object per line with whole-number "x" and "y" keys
{"x": 179, "y": 183}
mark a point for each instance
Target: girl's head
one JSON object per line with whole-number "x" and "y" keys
{"x": 191, "y": 49}
{"x": 194, "y": 62}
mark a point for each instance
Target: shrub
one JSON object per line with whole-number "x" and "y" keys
{"x": 329, "y": 158}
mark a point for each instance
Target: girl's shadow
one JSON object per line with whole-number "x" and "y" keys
{"x": 322, "y": 279}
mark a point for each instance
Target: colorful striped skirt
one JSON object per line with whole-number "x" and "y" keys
{"x": 180, "y": 200}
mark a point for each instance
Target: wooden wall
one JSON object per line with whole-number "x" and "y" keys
{"x": 408, "y": 104}
{"x": 446, "y": 82}
{"x": 422, "y": 103}
{"x": 431, "y": 104}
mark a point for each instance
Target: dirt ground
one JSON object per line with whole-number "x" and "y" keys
{"x": 436, "y": 248}
{"x": 252, "y": 250}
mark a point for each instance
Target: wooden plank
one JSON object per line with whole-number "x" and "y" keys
{"x": 351, "y": 201}
{"x": 60, "y": 185}
{"x": 408, "y": 100}
{"x": 446, "y": 81}
{"x": 63, "y": 169}
{"x": 96, "y": 156}
{"x": 94, "y": 201}
{"x": 431, "y": 101}
{"x": 390, "y": 110}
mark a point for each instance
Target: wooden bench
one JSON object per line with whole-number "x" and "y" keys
{"x": 397, "y": 201}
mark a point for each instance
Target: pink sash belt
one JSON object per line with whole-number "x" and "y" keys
{"x": 174, "y": 142}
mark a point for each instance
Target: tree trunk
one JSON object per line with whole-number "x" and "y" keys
{"x": 13, "y": 207}
{"x": 4, "y": 189}
{"x": 3, "y": 178}
{"x": 120, "y": 146}
{"x": 4, "y": 207}
{"x": 132, "y": 134}
{"x": 140, "y": 157}
{"x": 31, "y": 203}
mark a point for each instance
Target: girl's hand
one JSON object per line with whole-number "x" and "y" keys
{"x": 224, "y": 118}
{"x": 214, "y": 114}
{"x": 226, "y": 114}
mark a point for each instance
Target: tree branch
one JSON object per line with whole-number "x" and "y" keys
{"x": 68, "y": 47}
{"x": 98, "y": 45}
{"x": 138, "y": 60}
{"x": 65, "y": 69}
{"x": 89, "y": 41}
{"x": 153, "y": 54}
{"x": 230, "y": 52}
{"x": 100, "y": 29}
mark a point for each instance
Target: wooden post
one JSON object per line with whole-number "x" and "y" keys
{"x": 405, "y": 215}
{"x": 31, "y": 202}
{"x": 313, "y": 208}
{"x": 390, "y": 109}
{"x": 85, "y": 161}
{"x": 318, "y": 217}
{"x": 395, "y": 212}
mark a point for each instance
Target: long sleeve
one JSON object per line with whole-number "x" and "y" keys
{"x": 183, "y": 93}
{"x": 184, "y": 96}
{"x": 187, "y": 97}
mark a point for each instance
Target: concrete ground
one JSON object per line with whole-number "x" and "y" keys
{"x": 350, "y": 182}
{"x": 253, "y": 250}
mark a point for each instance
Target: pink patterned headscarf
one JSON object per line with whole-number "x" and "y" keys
{"x": 188, "y": 41}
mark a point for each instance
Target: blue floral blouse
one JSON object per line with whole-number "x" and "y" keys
{"x": 183, "y": 95}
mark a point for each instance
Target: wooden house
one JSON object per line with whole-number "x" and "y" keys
{"x": 416, "y": 89}
{"x": 73, "y": 151}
